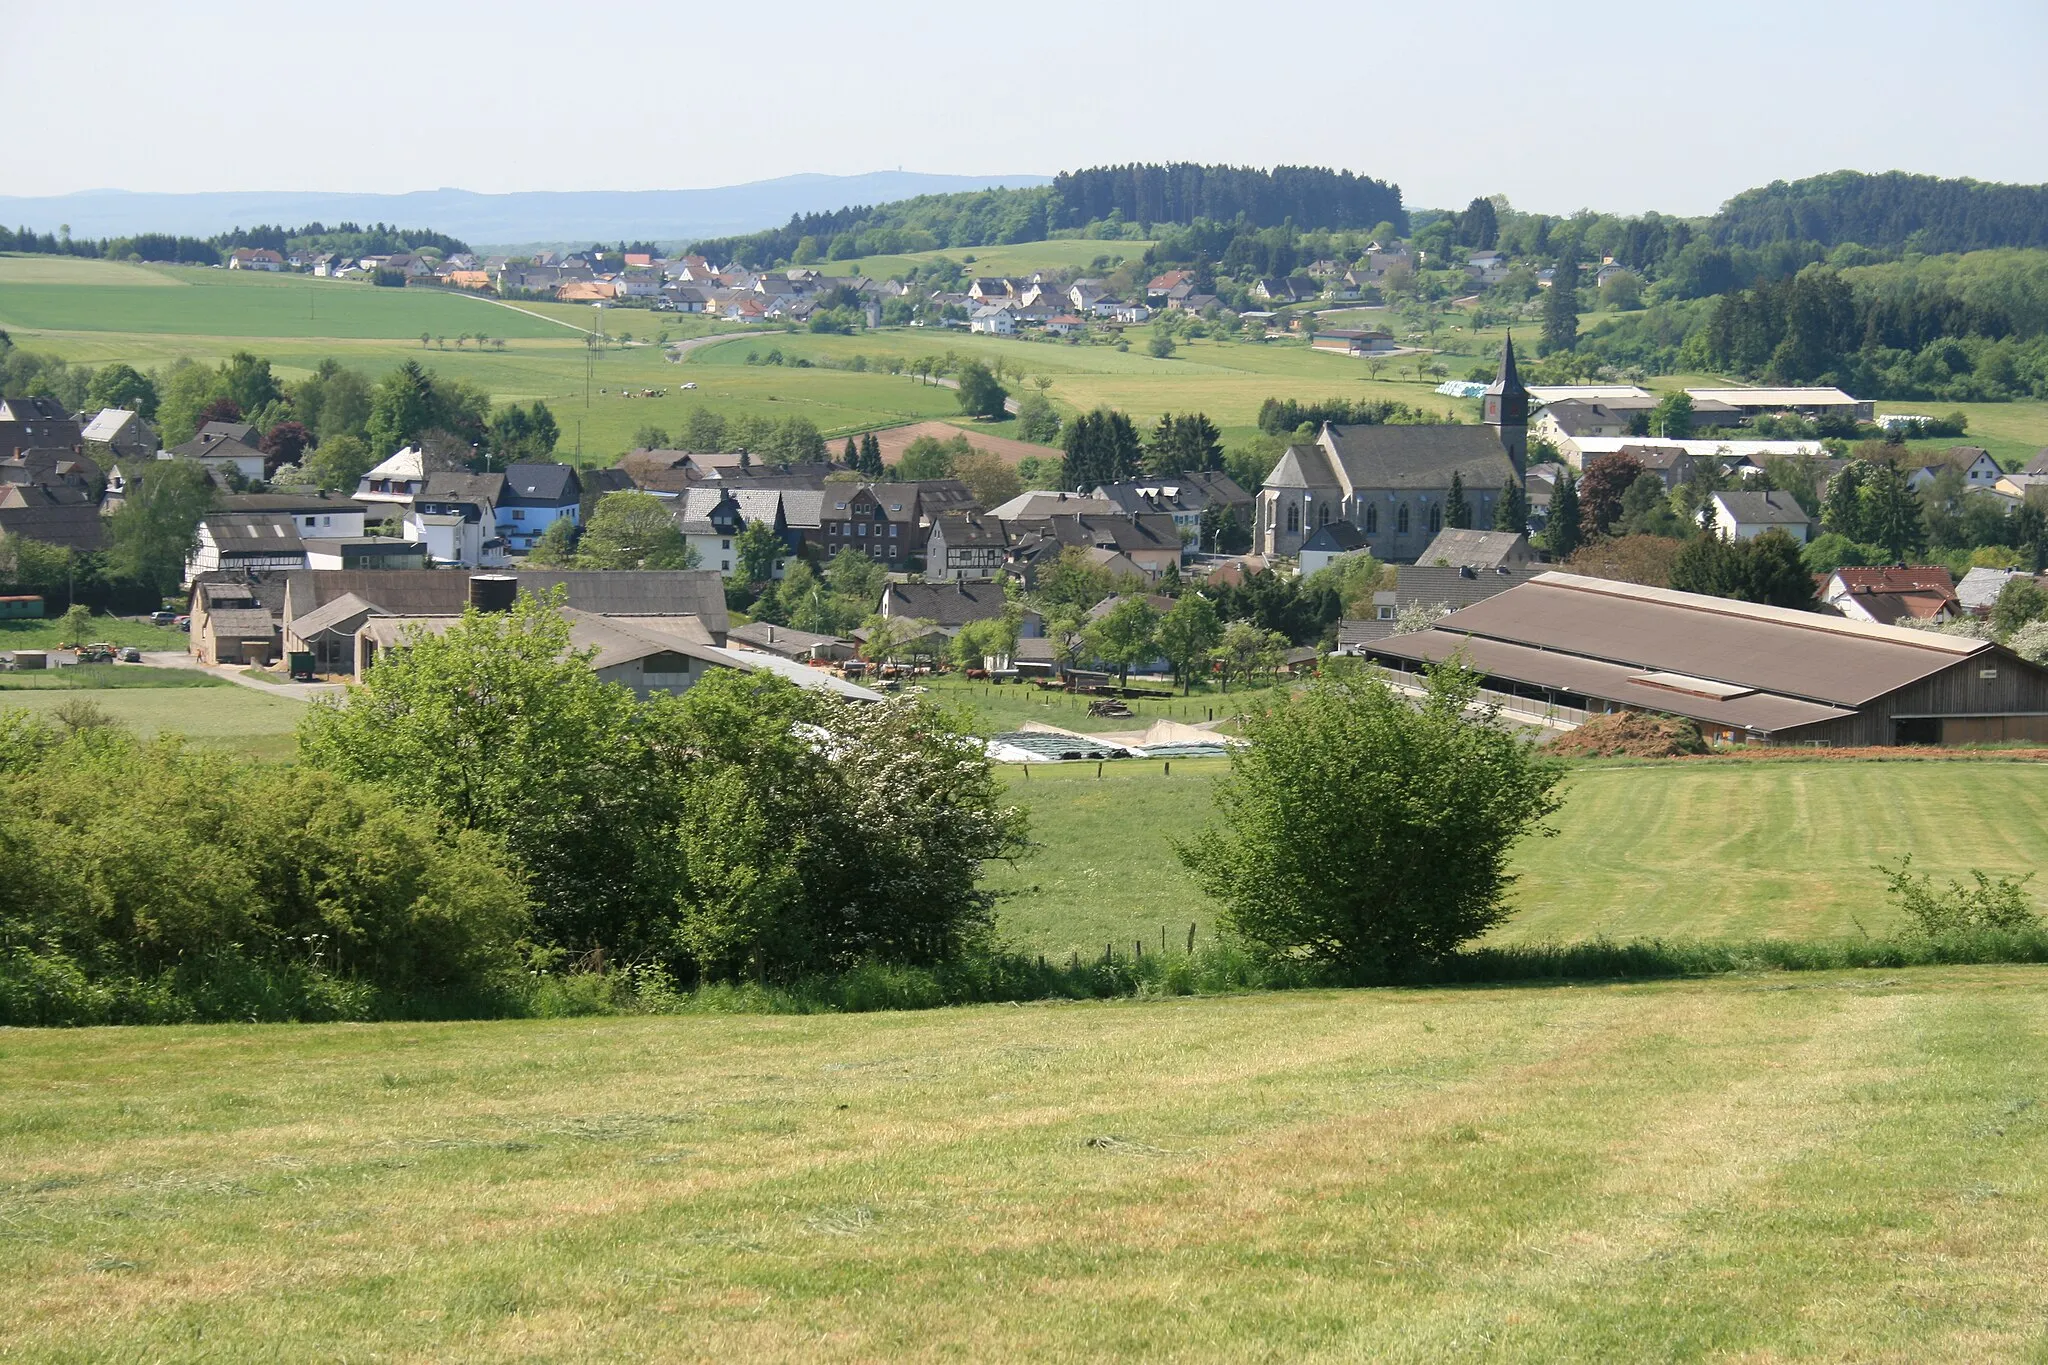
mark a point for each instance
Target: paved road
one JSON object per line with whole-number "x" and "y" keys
{"x": 233, "y": 673}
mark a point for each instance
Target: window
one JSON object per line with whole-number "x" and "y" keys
{"x": 1323, "y": 515}
{"x": 1401, "y": 519}
{"x": 725, "y": 544}
{"x": 878, "y": 552}
{"x": 327, "y": 521}
{"x": 833, "y": 529}
{"x": 1436, "y": 519}
{"x": 1372, "y": 520}
{"x": 309, "y": 523}
{"x": 892, "y": 530}
{"x": 724, "y": 565}
{"x": 519, "y": 514}
{"x": 1293, "y": 518}
{"x": 863, "y": 528}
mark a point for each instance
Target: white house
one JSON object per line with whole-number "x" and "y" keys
{"x": 1329, "y": 544}
{"x": 256, "y": 258}
{"x": 994, "y": 321}
{"x": 713, "y": 519}
{"x": 455, "y": 539}
{"x": 267, "y": 531}
{"x": 1741, "y": 516}
{"x": 1980, "y": 471}
{"x": 396, "y": 482}
{"x": 455, "y": 516}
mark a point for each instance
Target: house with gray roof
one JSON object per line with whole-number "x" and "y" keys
{"x": 714, "y": 516}
{"x": 119, "y": 433}
{"x": 1464, "y": 549}
{"x": 963, "y": 546}
{"x": 1741, "y": 516}
{"x": 950, "y": 606}
{"x": 532, "y": 497}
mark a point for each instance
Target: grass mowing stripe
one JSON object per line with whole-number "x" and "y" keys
{"x": 1669, "y": 1171}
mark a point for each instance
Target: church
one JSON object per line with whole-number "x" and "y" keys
{"x": 1389, "y": 484}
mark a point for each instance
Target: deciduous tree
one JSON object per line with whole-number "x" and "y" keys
{"x": 632, "y": 530}
{"x": 1346, "y": 784}
{"x": 1188, "y": 635}
{"x": 1123, "y": 637}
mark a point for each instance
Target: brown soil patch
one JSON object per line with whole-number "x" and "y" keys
{"x": 894, "y": 440}
{"x": 1631, "y": 734}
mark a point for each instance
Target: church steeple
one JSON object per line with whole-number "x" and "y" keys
{"x": 1505, "y": 407}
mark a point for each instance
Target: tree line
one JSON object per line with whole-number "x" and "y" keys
{"x": 1182, "y": 192}
{"x": 379, "y": 239}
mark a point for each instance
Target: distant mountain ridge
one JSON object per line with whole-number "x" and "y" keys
{"x": 495, "y": 219}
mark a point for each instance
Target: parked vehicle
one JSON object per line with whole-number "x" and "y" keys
{"x": 131, "y": 655}
{"x": 300, "y": 664}
{"x": 163, "y": 618}
{"x": 96, "y": 654}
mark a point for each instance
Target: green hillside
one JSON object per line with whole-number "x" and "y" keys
{"x": 1842, "y": 1167}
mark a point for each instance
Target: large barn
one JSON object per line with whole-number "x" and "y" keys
{"x": 1748, "y": 674}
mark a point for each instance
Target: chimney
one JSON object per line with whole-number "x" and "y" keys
{"x": 493, "y": 591}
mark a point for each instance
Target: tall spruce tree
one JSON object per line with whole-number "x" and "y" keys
{"x": 1891, "y": 511}
{"x": 1562, "y": 530}
{"x": 1561, "y": 304}
{"x": 1457, "y": 507}
{"x": 851, "y": 459}
{"x": 1511, "y": 513}
{"x": 1842, "y": 513}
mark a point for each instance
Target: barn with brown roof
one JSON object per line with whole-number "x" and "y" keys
{"x": 1747, "y": 673}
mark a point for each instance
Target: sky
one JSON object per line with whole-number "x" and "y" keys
{"x": 1559, "y": 106}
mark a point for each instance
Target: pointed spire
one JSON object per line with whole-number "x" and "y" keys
{"x": 1507, "y": 380}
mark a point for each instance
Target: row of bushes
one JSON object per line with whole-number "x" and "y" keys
{"x": 47, "y": 988}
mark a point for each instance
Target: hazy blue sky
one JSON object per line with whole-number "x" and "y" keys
{"x": 1558, "y": 105}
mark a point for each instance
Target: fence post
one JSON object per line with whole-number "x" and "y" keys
{"x": 1191, "y": 938}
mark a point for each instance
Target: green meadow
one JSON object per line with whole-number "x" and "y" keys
{"x": 209, "y": 711}
{"x": 94, "y": 312}
{"x": 1837, "y": 1166}
{"x": 1065, "y": 253}
{"x": 1718, "y": 850}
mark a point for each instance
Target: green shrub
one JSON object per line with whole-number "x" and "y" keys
{"x": 154, "y": 874}
{"x": 2000, "y": 904}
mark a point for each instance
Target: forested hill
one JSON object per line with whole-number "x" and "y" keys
{"x": 1103, "y": 201}
{"x": 1891, "y": 212}
{"x": 1308, "y": 196}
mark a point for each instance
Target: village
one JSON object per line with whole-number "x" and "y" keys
{"x": 317, "y": 584}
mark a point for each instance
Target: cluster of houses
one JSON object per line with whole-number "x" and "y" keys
{"x": 652, "y": 631}
{"x": 933, "y": 527}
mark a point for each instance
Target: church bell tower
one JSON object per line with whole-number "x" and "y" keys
{"x": 1505, "y": 407}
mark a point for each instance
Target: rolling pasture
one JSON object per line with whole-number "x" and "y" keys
{"x": 1840, "y": 1166}
{"x": 1724, "y": 850}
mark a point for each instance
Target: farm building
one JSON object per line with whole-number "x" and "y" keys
{"x": 1747, "y": 673}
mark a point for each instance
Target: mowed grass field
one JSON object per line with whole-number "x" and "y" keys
{"x": 1694, "y": 850}
{"x": 1065, "y": 253}
{"x": 94, "y": 312}
{"x": 990, "y": 709}
{"x": 238, "y": 719}
{"x": 1832, "y": 1167}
